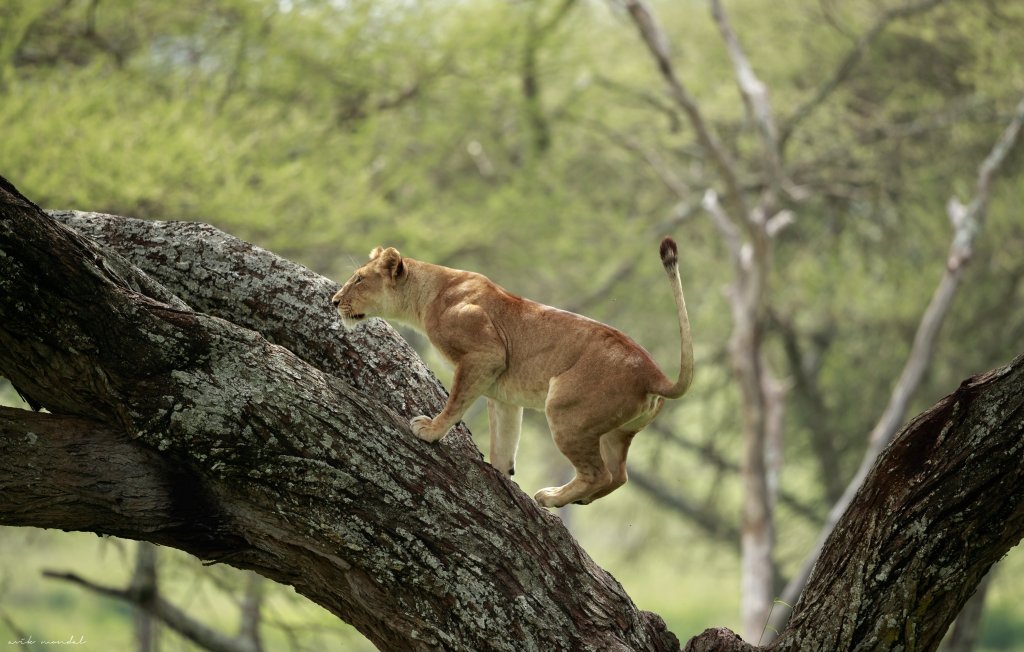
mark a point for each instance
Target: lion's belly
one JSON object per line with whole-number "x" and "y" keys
{"x": 519, "y": 391}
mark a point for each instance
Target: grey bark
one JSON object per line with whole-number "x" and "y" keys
{"x": 197, "y": 433}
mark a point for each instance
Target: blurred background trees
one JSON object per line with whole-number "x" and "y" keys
{"x": 535, "y": 142}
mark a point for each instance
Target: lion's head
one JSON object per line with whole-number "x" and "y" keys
{"x": 373, "y": 289}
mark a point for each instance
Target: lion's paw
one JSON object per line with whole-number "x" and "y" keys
{"x": 424, "y": 428}
{"x": 548, "y": 497}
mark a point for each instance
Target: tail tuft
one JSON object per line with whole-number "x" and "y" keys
{"x": 668, "y": 389}
{"x": 669, "y": 253}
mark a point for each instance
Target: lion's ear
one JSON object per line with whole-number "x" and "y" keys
{"x": 391, "y": 262}
{"x": 376, "y": 252}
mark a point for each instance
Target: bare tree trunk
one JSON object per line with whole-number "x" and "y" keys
{"x": 748, "y": 234}
{"x": 143, "y": 584}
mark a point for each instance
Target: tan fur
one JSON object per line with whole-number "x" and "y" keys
{"x": 597, "y": 387}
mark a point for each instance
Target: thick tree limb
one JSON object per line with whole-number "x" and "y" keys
{"x": 964, "y": 633}
{"x": 291, "y": 472}
{"x": 288, "y": 304}
{"x": 97, "y": 479}
{"x": 942, "y": 504}
{"x": 939, "y": 507}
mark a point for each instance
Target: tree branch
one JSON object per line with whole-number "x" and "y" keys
{"x": 711, "y": 457}
{"x": 849, "y": 63}
{"x": 657, "y": 44}
{"x": 286, "y": 303}
{"x": 144, "y": 582}
{"x": 155, "y": 605}
{"x": 755, "y": 97}
{"x": 78, "y": 474}
{"x": 964, "y": 633}
{"x": 665, "y": 173}
{"x": 710, "y": 522}
{"x": 939, "y": 507}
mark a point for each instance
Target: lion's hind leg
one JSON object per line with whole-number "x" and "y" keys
{"x": 614, "y": 448}
{"x": 577, "y": 423}
{"x": 584, "y": 451}
{"x": 615, "y": 445}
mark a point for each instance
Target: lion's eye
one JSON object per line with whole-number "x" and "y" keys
{"x": 359, "y": 279}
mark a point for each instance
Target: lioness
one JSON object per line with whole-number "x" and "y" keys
{"x": 597, "y": 387}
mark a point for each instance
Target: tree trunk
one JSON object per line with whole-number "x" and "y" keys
{"x": 144, "y": 583}
{"x": 194, "y": 432}
{"x": 189, "y": 430}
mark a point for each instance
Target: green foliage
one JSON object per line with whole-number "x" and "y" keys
{"x": 320, "y": 129}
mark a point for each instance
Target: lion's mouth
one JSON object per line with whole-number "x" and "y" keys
{"x": 349, "y": 320}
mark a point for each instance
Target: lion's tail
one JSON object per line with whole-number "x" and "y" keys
{"x": 670, "y": 259}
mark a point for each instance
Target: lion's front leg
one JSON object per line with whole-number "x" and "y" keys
{"x": 473, "y": 376}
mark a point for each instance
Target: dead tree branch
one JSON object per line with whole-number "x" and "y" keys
{"x": 657, "y": 44}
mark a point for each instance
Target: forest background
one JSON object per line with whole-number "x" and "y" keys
{"x": 534, "y": 142}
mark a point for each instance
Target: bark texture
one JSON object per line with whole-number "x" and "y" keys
{"x": 204, "y": 435}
